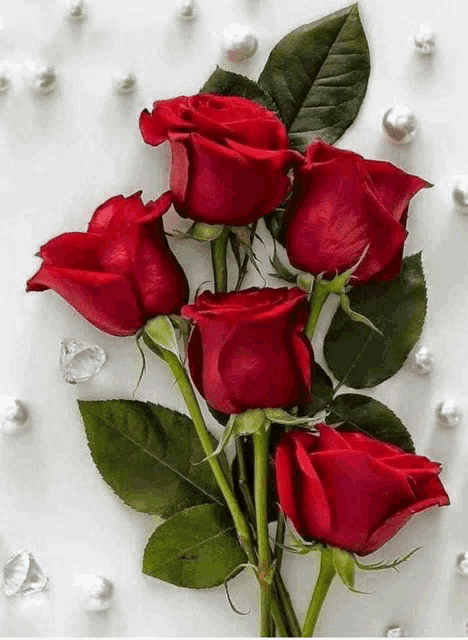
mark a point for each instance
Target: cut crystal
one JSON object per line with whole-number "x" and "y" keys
{"x": 22, "y": 575}
{"x": 80, "y": 361}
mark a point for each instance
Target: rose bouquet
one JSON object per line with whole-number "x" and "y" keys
{"x": 312, "y": 470}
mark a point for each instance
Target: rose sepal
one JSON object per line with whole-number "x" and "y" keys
{"x": 201, "y": 232}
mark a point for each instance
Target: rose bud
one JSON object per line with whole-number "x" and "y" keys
{"x": 248, "y": 349}
{"x": 121, "y": 272}
{"x": 342, "y": 205}
{"x": 349, "y": 490}
{"x": 230, "y": 156}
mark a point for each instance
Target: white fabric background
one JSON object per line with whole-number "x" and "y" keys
{"x": 64, "y": 154}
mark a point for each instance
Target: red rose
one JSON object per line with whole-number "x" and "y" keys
{"x": 351, "y": 491}
{"x": 121, "y": 272}
{"x": 248, "y": 349}
{"x": 341, "y": 204}
{"x": 230, "y": 156}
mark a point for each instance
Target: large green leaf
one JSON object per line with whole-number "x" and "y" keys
{"x": 227, "y": 83}
{"x": 317, "y": 76}
{"x": 359, "y": 356}
{"x": 361, "y": 413}
{"x": 148, "y": 455}
{"x": 196, "y": 548}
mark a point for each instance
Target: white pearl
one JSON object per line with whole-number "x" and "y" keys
{"x": 125, "y": 82}
{"x": 13, "y": 415}
{"x": 400, "y": 124}
{"x": 423, "y": 360}
{"x": 462, "y": 564}
{"x": 98, "y": 591}
{"x": 77, "y": 10}
{"x": 424, "y": 40}
{"x": 460, "y": 191}
{"x": 395, "y": 632}
{"x": 239, "y": 42}
{"x": 5, "y": 78}
{"x": 44, "y": 80}
{"x": 448, "y": 414}
{"x": 187, "y": 9}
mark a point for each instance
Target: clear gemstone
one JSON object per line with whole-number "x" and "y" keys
{"x": 448, "y": 414}
{"x": 424, "y": 40}
{"x": 423, "y": 360}
{"x": 22, "y": 575}
{"x": 44, "y": 80}
{"x": 125, "y": 82}
{"x": 80, "y": 361}
{"x": 13, "y": 414}
{"x": 394, "y": 632}
{"x": 462, "y": 564}
{"x": 98, "y": 591}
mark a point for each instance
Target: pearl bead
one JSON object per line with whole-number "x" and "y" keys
{"x": 394, "y": 632}
{"x": 125, "y": 82}
{"x": 423, "y": 360}
{"x": 424, "y": 40}
{"x": 462, "y": 564}
{"x": 239, "y": 42}
{"x": 400, "y": 124}
{"x": 44, "y": 80}
{"x": 77, "y": 10}
{"x": 13, "y": 415}
{"x": 98, "y": 591}
{"x": 448, "y": 414}
{"x": 187, "y": 9}
{"x": 5, "y": 79}
{"x": 460, "y": 191}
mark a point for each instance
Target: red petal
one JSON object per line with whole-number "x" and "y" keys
{"x": 330, "y": 439}
{"x": 106, "y": 300}
{"x": 376, "y": 448}
{"x": 286, "y": 486}
{"x": 73, "y": 250}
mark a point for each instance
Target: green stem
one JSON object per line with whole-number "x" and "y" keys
{"x": 240, "y": 522}
{"x": 191, "y": 401}
{"x": 244, "y": 480}
{"x": 320, "y": 293}
{"x": 324, "y": 580}
{"x": 218, "y": 260}
{"x": 245, "y": 262}
{"x": 260, "y": 442}
{"x": 279, "y": 540}
{"x": 284, "y": 599}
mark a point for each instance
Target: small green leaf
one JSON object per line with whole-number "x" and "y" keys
{"x": 227, "y": 83}
{"x": 197, "y": 548}
{"x": 344, "y": 565}
{"x": 383, "y": 564}
{"x": 358, "y": 356}
{"x": 361, "y": 413}
{"x": 274, "y": 223}
{"x": 161, "y": 332}
{"x": 318, "y": 76}
{"x": 147, "y": 454}
{"x": 283, "y": 417}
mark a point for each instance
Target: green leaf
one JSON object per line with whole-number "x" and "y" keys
{"x": 358, "y": 356}
{"x": 196, "y": 548}
{"x": 317, "y": 75}
{"x": 227, "y": 83}
{"x": 344, "y": 565}
{"x": 361, "y": 413}
{"x": 274, "y": 223}
{"x": 147, "y": 454}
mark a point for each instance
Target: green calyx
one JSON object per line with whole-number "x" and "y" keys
{"x": 202, "y": 232}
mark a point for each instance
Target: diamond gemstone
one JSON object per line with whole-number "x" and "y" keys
{"x": 80, "y": 361}
{"x": 22, "y": 575}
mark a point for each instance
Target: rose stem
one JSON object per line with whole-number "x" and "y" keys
{"x": 281, "y": 593}
{"x": 260, "y": 442}
{"x": 242, "y": 528}
{"x": 218, "y": 260}
{"x": 320, "y": 293}
{"x": 324, "y": 580}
